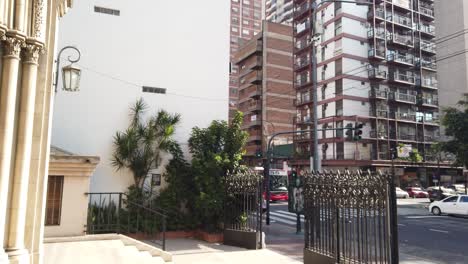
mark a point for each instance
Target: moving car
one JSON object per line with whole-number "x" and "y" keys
{"x": 400, "y": 193}
{"x": 437, "y": 193}
{"x": 417, "y": 192}
{"x": 457, "y": 205}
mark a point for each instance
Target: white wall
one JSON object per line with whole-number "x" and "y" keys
{"x": 178, "y": 45}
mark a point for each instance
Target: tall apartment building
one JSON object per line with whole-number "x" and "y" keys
{"x": 279, "y": 11}
{"x": 266, "y": 92}
{"x": 246, "y": 21}
{"x": 376, "y": 65}
{"x": 452, "y": 43}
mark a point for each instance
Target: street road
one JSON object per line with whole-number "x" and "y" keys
{"x": 423, "y": 236}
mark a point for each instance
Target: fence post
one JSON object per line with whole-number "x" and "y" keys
{"x": 119, "y": 213}
{"x": 394, "y": 258}
{"x": 164, "y": 234}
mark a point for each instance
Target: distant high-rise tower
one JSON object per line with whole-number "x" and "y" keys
{"x": 246, "y": 17}
{"x": 279, "y": 11}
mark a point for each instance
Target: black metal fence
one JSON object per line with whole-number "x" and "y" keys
{"x": 347, "y": 218}
{"x": 243, "y": 208}
{"x": 114, "y": 212}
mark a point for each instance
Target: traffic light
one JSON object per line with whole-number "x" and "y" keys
{"x": 349, "y": 131}
{"x": 358, "y": 131}
{"x": 258, "y": 154}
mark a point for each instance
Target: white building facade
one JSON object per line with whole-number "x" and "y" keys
{"x": 179, "y": 47}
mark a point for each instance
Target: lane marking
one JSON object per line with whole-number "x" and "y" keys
{"x": 288, "y": 213}
{"x": 401, "y": 225}
{"x": 422, "y": 217}
{"x": 440, "y": 231}
{"x": 282, "y": 220}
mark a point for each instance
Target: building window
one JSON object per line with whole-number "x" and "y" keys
{"x": 107, "y": 11}
{"x": 234, "y": 29}
{"x": 245, "y": 22}
{"x": 54, "y": 200}
{"x": 245, "y": 32}
{"x": 246, "y": 2}
{"x": 147, "y": 89}
{"x": 155, "y": 179}
{"x": 235, "y": 10}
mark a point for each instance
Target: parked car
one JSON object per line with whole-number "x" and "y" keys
{"x": 458, "y": 188}
{"x": 437, "y": 193}
{"x": 457, "y": 205}
{"x": 400, "y": 193}
{"x": 417, "y": 192}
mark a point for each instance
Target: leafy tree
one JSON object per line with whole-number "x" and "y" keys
{"x": 139, "y": 147}
{"x": 216, "y": 150}
{"x": 455, "y": 121}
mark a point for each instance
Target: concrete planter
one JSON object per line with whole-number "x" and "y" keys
{"x": 245, "y": 239}
{"x": 210, "y": 238}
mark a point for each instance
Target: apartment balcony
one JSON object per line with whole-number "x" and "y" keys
{"x": 376, "y": 74}
{"x": 376, "y": 33}
{"x": 405, "y": 41}
{"x": 430, "y": 83}
{"x": 249, "y": 124}
{"x": 254, "y": 107}
{"x": 427, "y": 30}
{"x": 379, "y": 14}
{"x": 303, "y": 100}
{"x": 401, "y": 58}
{"x": 301, "y": 63}
{"x": 404, "y": 98}
{"x": 254, "y": 77}
{"x": 403, "y": 77}
{"x": 251, "y": 150}
{"x": 300, "y": 29}
{"x": 429, "y": 138}
{"x": 382, "y": 155}
{"x": 429, "y": 120}
{"x": 378, "y": 134}
{"x": 431, "y": 102}
{"x": 400, "y": 20}
{"x": 405, "y": 116}
{"x": 303, "y": 137}
{"x": 378, "y": 94}
{"x": 406, "y": 137}
{"x": 427, "y": 63}
{"x": 255, "y": 136}
{"x": 380, "y": 113}
{"x": 427, "y": 47}
{"x": 427, "y": 12}
{"x": 300, "y": 83}
{"x": 401, "y": 5}
{"x": 376, "y": 54}
{"x": 302, "y": 45}
{"x": 301, "y": 11}
{"x": 252, "y": 65}
{"x": 301, "y": 120}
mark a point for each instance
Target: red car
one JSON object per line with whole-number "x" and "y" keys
{"x": 417, "y": 192}
{"x": 278, "y": 195}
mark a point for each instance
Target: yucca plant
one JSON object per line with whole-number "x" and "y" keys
{"x": 139, "y": 147}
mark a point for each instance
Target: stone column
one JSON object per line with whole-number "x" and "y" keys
{"x": 12, "y": 47}
{"x": 16, "y": 249}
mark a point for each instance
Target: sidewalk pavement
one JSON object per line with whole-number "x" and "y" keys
{"x": 191, "y": 251}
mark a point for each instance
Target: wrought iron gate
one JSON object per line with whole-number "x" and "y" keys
{"x": 243, "y": 210}
{"x": 348, "y": 218}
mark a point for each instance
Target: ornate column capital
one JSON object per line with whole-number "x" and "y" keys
{"x": 12, "y": 44}
{"x": 31, "y": 51}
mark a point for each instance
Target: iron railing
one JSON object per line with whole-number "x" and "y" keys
{"x": 243, "y": 203}
{"x": 347, "y": 217}
{"x": 114, "y": 212}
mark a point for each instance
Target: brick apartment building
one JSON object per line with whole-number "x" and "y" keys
{"x": 266, "y": 92}
{"x": 246, "y": 21}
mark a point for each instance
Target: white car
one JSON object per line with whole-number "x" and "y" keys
{"x": 400, "y": 193}
{"x": 457, "y": 204}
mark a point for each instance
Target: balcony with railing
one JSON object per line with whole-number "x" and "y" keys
{"x": 428, "y": 119}
{"x": 376, "y": 53}
{"x": 301, "y": 62}
{"x": 403, "y": 97}
{"x": 304, "y": 99}
{"x": 301, "y": 10}
{"x": 427, "y": 12}
{"x": 406, "y": 116}
{"x": 378, "y": 134}
{"x": 406, "y": 137}
{"x": 377, "y": 93}
{"x": 254, "y": 63}
{"x": 254, "y": 77}
{"x": 249, "y": 123}
{"x": 303, "y": 120}
{"x": 401, "y": 57}
{"x": 402, "y": 5}
{"x": 378, "y": 32}
{"x": 427, "y": 63}
{"x": 302, "y": 81}
{"x": 402, "y": 76}
{"x": 301, "y": 44}
{"x": 377, "y": 74}
{"x": 379, "y": 113}
{"x": 401, "y": 39}
{"x": 427, "y": 30}
{"x": 301, "y": 28}
{"x": 251, "y": 150}
{"x": 400, "y": 20}
{"x": 430, "y": 101}
{"x": 255, "y": 135}
{"x": 302, "y": 137}
{"x": 428, "y": 82}
{"x": 379, "y": 14}
{"x": 427, "y": 46}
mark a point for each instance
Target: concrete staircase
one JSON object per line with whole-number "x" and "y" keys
{"x": 107, "y": 248}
